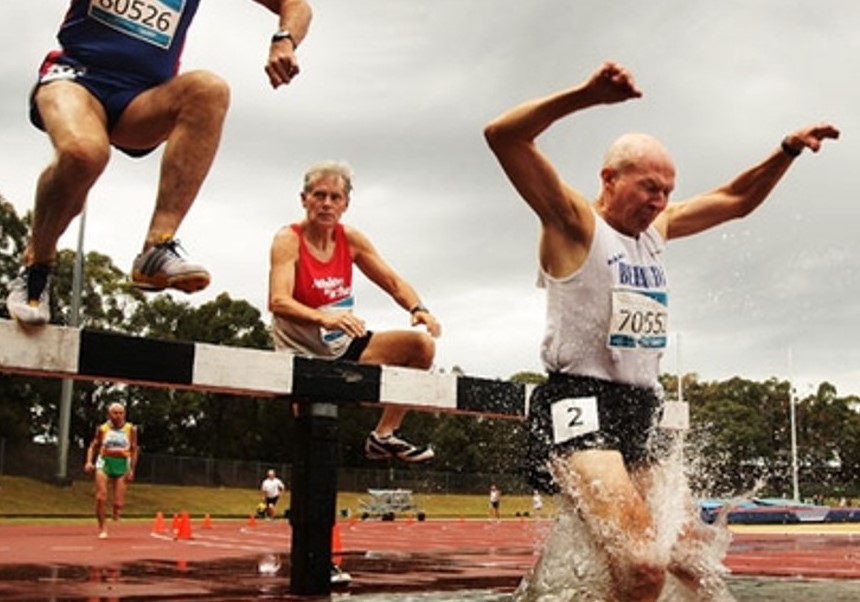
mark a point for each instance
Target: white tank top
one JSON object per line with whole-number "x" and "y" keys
{"x": 609, "y": 318}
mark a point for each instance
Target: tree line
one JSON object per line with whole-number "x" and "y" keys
{"x": 739, "y": 442}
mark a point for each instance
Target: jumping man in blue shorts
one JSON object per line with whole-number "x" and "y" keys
{"x": 115, "y": 81}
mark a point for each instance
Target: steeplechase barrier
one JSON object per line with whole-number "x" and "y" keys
{"x": 317, "y": 386}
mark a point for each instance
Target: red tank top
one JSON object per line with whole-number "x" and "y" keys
{"x": 319, "y": 284}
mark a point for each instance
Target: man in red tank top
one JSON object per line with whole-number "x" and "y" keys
{"x": 311, "y": 299}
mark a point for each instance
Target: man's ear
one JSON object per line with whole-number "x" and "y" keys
{"x": 608, "y": 175}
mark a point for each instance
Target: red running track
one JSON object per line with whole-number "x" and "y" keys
{"x": 404, "y": 555}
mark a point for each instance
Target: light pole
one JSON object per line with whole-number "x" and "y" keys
{"x": 678, "y": 366}
{"x": 795, "y": 484}
{"x": 68, "y": 384}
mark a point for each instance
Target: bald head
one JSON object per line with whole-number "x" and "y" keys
{"x": 116, "y": 414}
{"x": 631, "y": 150}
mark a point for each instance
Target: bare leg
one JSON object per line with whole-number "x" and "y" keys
{"x": 119, "y": 488}
{"x": 390, "y": 420}
{"x": 188, "y": 113}
{"x": 75, "y": 123}
{"x": 398, "y": 348}
{"x": 697, "y": 552}
{"x": 618, "y": 519}
{"x": 101, "y": 486}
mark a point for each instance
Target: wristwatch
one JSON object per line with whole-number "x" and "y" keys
{"x": 283, "y": 34}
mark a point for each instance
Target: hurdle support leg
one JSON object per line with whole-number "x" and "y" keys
{"x": 313, "y": 498}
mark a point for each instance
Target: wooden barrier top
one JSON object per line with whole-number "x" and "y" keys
{"x": 85, "y": 354}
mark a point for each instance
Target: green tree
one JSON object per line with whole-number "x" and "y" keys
{"x": 207, "y": 424}
{"x": 739, "y": 436}
{"x": 14, "y": 390}
{"x": 13, "y": 233}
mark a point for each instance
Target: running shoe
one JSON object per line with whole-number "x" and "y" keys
{"x": 162, "y": 267}
{"x": 103, "y": 534}
{"x": 339, "y": 576}
{"x": 394, "y": 446}
{"x": 29, "y": 298}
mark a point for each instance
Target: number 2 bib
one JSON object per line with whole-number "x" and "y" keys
{"x": 574, "y": 417}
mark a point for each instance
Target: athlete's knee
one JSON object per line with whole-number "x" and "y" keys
{"x": 640, "y": 580}
{"x": 82, "y": 156}
{"x": 207, "y": 92}
{"x": 424, "y": 350}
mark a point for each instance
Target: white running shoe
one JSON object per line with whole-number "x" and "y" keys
{"x": 162, "y": 267}
{"x": 339, "y": 576}
{"x": 380, "y": 448}
{"x": 29, "y": 297}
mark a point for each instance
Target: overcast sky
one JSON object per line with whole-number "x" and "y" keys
{"x": 402, "y": 89}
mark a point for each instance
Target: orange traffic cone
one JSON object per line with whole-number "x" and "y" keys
{"x": 158, "y": 526}
{"x": 207, "y": 521}
{"x": 184, "y": 531}
{"x": 252, "y": 520}
{"x": 336, "y": 545}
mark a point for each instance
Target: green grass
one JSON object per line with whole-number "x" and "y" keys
{"x": 22, "y": 497}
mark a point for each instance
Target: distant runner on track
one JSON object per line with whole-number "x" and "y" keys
{"x": 112, "y": 456}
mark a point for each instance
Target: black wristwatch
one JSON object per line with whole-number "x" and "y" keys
{"x": 283, "y": 34}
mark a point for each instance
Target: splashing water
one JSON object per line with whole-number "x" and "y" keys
{"x": 573, "y": 565}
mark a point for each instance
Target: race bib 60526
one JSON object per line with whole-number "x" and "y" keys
{"x": 152, "y": 21}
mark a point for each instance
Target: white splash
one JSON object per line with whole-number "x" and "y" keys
{"x": 573, "y": 568}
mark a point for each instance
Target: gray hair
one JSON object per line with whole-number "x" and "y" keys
{"x": 340, "y": 169}
{"x": 629, "y": 150}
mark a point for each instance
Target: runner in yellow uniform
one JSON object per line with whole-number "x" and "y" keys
{"x": 114, "y": 448}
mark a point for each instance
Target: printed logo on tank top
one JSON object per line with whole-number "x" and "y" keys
{"x": 640, "y": 315}
{"x": 153, "y": 21}
{"x": 116, "y": 441}
{"x": 332, "y": 287}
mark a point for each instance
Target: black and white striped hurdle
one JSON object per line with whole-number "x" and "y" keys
{"x": 82, "y": 354}
{"x": 318, "y": 386}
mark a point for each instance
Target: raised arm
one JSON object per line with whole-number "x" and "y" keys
{"x": 564, "y": 212}
{"x": 746, "y": 191}
{"x": 294, "y": 17}
{"x": 372, "y": 265}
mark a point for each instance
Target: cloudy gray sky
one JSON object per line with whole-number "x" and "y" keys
{"x": 402, "y": 90}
